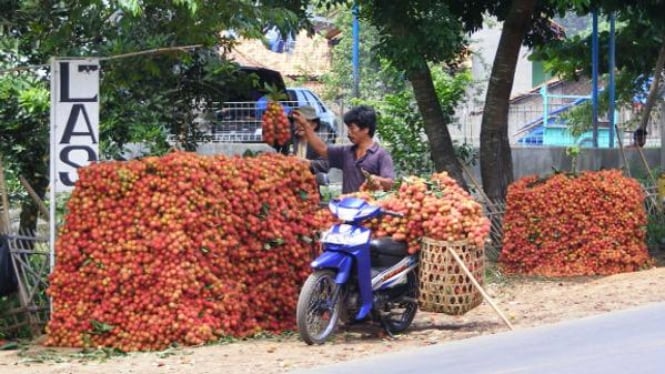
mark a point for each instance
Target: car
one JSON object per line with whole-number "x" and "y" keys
{"x": 238, "y": 118}
{"x": 302, "y": 96}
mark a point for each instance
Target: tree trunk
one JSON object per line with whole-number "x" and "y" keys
{"x": 496, "y": 165}
{"x": 441, "y": 145}
{"x": 653, "y": 90}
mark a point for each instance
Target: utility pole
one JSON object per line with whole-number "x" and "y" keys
{"x": 356, "y": 51}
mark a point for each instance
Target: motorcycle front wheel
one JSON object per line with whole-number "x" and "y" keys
{"x": 318, "y": 307}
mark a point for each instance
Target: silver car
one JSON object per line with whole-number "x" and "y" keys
{"x": 301, "y": 96}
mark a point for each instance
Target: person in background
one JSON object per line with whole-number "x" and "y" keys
{"x": 639, "y": 138}
{"x": 318, "y": 165}
{"x": 362, "y": 161}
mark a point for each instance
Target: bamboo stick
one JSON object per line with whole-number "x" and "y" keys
{"x": 477, "y": 285}
{"x": 475, "y": 183}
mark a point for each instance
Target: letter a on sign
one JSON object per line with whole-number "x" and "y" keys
{"x": 74, "y": 119}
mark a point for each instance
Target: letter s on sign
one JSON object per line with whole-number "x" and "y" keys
{"x": 65, "y": 158}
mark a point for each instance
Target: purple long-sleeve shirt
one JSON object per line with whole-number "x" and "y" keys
{"x": 376, "y": 161}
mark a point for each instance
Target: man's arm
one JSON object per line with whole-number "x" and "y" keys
{"x": 385, "y": 182}
{"x": 386, "y": 177}
{"x": 318, "y": 145}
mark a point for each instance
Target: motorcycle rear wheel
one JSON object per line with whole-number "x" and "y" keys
{"x": 317, "y": 313}
{"x": 402, "y": 316}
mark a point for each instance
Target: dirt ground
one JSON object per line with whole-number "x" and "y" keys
{"x": 525, "y": 302}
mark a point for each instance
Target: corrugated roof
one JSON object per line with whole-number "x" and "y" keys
{"x": 309, "y": 58}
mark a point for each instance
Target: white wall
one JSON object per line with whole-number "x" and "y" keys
{"x": 484, "y": 45}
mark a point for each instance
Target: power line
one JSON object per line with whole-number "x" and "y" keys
{"x": 114, "y": 57}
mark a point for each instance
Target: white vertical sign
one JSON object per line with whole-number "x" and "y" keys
{"x": 74, "y": 118}
{"x": 74, "y": 125}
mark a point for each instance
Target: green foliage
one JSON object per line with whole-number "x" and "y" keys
{"x": 378, "y": 76}
{"x": 144, "y": 97}
{"x": 401, "y": 126}
{"x": 656, "y": 231}
{"x": 579, "y": 119}
{"x": 15, "y": 191}
{"x": 573, "y": 152}
{"x": 640, "y": 31}
{"x": 24, "y": 132}
{"x": 428, "y": 30}
{"x": 383, "y": 85}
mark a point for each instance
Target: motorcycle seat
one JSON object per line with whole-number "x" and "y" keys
{"x": 388, "y": 247}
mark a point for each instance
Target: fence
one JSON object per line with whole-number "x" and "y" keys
{"x": 26, "y": 311}
{"x": 240, "y": 122}
{"x": 532, "y": 110}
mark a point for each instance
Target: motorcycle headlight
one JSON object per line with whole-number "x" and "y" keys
{"x": 345, "y": 237}
{"x": 336, "y": 237}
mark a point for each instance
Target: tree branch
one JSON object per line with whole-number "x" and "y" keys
{"x": 651, "y": 99}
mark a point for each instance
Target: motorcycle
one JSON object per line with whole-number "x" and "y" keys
{"x": 357, "y": 279}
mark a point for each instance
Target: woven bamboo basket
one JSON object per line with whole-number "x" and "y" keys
{"x": 443, "y": 285}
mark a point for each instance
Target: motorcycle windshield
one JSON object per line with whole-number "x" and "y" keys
{"x": 352, "y": 209}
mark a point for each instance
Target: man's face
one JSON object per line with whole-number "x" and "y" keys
{"x": 356, "y": 134}
{"x": 301, "y": 132}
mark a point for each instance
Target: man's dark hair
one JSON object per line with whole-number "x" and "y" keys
{"x": 363, "y": 116}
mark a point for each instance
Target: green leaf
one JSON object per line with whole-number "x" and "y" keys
{"x": 265, "y": 210}
{"x": 278, "y": 241}
{"x": 8, "y": 346}
{"x": 99, "y": 328}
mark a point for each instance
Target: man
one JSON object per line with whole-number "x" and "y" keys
{"x": 318, "y": 165}
{"x": 362, "y": 155}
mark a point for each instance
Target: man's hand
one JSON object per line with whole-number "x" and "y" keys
{"x": 375, "y": 182}
{"x": 313, "y": 140}
{"x": 368, "y": 184}
{"x": 300, "y": 122}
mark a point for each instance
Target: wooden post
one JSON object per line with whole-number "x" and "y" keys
{"x": 42, "y": 207}
{"x": 477, "y": 285}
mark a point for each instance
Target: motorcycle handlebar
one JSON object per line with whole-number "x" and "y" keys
{"x": 393, "y": 213}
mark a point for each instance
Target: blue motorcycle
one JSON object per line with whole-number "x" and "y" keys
{"x": 356, "y": 278}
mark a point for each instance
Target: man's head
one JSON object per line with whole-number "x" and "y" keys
{"x": 361, "y": 122}
{"x": 640, "y": 137}
{"x": 312, "y": 118}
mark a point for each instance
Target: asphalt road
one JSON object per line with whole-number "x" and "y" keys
{"x": 629, "y": 341}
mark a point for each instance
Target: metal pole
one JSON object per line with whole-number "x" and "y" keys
{"x": 612, "y": 84}
{"x": 356, "y": 51}
{"x": 594, "y": 78}
{"x": 543, "y": 93}
{"x": 55, "y": 72}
